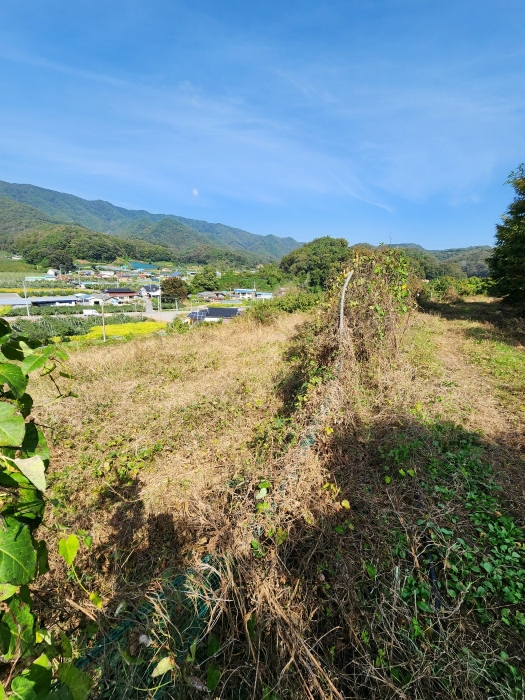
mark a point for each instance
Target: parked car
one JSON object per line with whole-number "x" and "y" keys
{"x": 90, "y": 312}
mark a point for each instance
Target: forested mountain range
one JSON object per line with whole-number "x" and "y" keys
{"x": 183, "y": 235}
{"x": 35, "y": 220}
{"x": 471, "y": 260}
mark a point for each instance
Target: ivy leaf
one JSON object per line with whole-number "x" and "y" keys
{"x": 17, "y": 554}
{"x": 213, "y": 676}
{"x": 213, "y": 645}
{"x": 67, "y": 649}
{"x": 13, "y": 376}
{"x": 33, "y": 683}
{"x": 35, "y": 443}
{"x": 96, "y": 600}
{"x": 33, "y": 468}
{"x": 166, "y": 664}
{"x": 12, "y": 426}
{"x": 79, "y": 683}
{"x": 7, "y": 590}
{"x": 34, "y": 361}
{"x": 20, "y": 623}
{"x": 68, "y": 548}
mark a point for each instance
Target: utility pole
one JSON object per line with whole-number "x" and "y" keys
{"x": 160, "y": 302}
{"x": 25, "y": 295}
{"x": 103, "y": 321}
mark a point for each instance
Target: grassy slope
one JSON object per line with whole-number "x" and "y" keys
{"x": 158, "y": 421}
{"x": 146, "y": 457}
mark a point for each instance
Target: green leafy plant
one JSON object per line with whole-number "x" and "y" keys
{"x": 32, "y": 655}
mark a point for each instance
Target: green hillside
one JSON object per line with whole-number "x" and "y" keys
{"x": 178, "y": 232}
{"x": 168, "y": 230}
{"x": 472, "y": 261}
{"x": 42, "y": 245}
{"x": 97, "y": 215}
{"x": 16, "y": 217}
{"x": 237, "y": 238}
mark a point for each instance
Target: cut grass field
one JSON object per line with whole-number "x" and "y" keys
{"x": 157, "y": 421}
{"x": 384, "y": 562}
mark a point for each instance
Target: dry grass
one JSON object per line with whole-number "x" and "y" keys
{"x": 311, "y": 602}
{"x": 158, "y": 423}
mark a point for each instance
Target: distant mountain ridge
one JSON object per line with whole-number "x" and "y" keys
{"x": 178, "y": 232}
{"x": 472, "y": 259}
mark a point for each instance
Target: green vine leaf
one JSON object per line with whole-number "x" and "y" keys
{"x": 17, "y": 554}
{"x": 166, "y": 664}
{"x": 12, "y": 426}
{"x": 34, "y": 361}
{"x": 33, "y": 683}
{"x": 25, "y": 404}
{"x": 96, "y": 600}
{"x": 13, "y": 376}
{"x": 79, "y": 683}
{"x": 18, "y": 626}
{"x": 213, "y": 676}
{"x": 35, "y": 443}
{"x": 67, "y": 649}
{"x": 34, "y": 470}
{"x": 7, "y": 590}
{"x": 68, "y": 548}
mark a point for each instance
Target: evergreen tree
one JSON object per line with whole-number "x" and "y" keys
{"x": 507, "y": 263}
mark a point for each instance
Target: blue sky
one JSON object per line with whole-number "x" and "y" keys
{"x": 377, "y": 120}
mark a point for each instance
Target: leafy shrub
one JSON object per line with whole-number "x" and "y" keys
{"x": 265, "y": 312}
{"x": 177, "y": 326}
{"x": 27, "y": 651}
{"x": 450, "y": 289}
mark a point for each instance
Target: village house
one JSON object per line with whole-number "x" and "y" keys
{"x": 211, "y": 296}
{"x": 150, "y": 290}
{"x": 120, "y": 293}
{"x": 244, "y": 294}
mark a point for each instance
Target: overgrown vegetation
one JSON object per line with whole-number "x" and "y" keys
{"x": 31, "y": 656}
{"x": 450, "y": 289}
{"x": 63, "y": 328}
{"x": 343, "y": 510}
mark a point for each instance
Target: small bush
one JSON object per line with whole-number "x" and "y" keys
{"x": 265, "y": 312}
{"x": 450, "y": 289}
{"x": 177, "y": 326}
